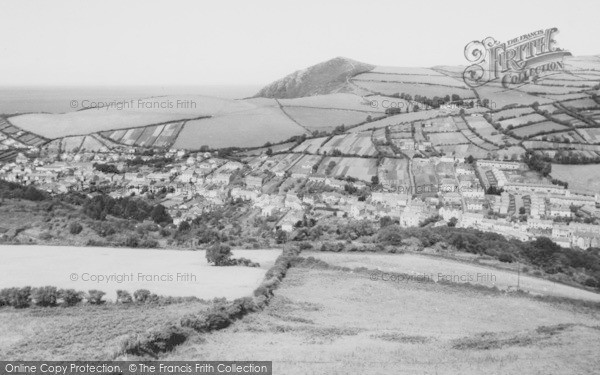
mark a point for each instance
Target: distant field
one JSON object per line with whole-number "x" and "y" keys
{"x": 326, "y": 119}
{"x": 539, "y": 127}
{"x": 335, "y": 322}
{"x": 390, "y": 88}
{"x": 250, "y": 128}
{"x": 332, "y": 101}
{"x": 408, "y": 78}
{"x": 311, "y": 146}
{"x": 394, "y": 173}
{"x": 398, "y": 119}
{"x": 500, "y": 97}
{"x": 522, "y": 120}
{"x": 21, "y": 263}
{"x": 351, "y": 144}
{"x": 584, "y": 177}
{"x": 400, "y": 70}
{"x": 97, "y": 120}
{"x": 359, "y": 168}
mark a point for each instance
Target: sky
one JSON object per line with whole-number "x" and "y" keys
{"x": 227, "y": 42}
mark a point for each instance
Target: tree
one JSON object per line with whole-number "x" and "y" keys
{"x": 452, "y": 222}
{"x": 269, "y": 151}
{"x": 123, "y": 296}
{"x": 45, "y": 296}
{"x": 160, "y": 215}
{"x": 375, "y": 180}
{"x": 522, "y": 211}
{"x": 141, "y": 295}
{"x": 70, "y": 297}
{"x": 95, "y": 297}
{"x": 219, "y": 254}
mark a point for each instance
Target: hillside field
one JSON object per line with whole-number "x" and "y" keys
{"x": 342, "y": 322}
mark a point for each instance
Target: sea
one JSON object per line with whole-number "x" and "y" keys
{"x": 57, "y": 99}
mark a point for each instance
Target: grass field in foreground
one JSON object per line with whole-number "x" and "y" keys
{"x": 335, "y": 322}
{"x": 80, "y": 333}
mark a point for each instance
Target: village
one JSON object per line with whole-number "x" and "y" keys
{"x": 504, "y": 197}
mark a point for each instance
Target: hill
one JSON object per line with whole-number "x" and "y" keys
{"x": 328, "y": 77}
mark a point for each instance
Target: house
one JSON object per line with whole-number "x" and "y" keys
{"x": 222, "y": 178}
{"x": 254, "y": 182}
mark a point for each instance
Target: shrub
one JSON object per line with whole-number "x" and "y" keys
{"x": 16, "y": 297}
{"x": 123, "y": 296}
{"x": 46, "y": 296}
{"x": 131, "y": 241}
{"x": 70, "y": 297}
{"x": 506, "y": 258}
{"x": 156, "y": 341}
{"x": 95, "y": 297}
{"x": 141, "y": 295}
{"x": 75, "y": 228}
{"x": 218, "y": 254}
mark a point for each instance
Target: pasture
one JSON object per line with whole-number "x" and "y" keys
{"x": 155, "y": 270}
{"x": 580, "y": 177}
{"x": 326, "y": 119}
{"x": 415, "y": 264}
{"x": 311, "y": 146}
{"x": 394, "y": 173}
{"x": 522, "y": 120}
{"x": 251, "y": 128}
{"x": 391, "y": 88}
{"x": 537, "y": 128}
{"x": 333, "y": 101}
{"x": 360, "y": 168}
{"x": 139, "y": 114}
{"x": 359, "y": 144}
{"x": 398, "y": 119}
{"x": 343, "y": 322}
{"x": 410, "y": 78}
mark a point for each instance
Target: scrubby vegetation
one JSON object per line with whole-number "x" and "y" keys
{"x": 220, "y": 315}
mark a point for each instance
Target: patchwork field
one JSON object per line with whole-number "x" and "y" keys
{"x": 311, "y": 146}
{"x": 336, "y": 322}
{"x": 394, "y": 173}
{"x": 410, "y": 78}
{"x": 87, "y": 263}
{"x": 156, "y": 111}
{"x": 151, "y": 136}
{"x": 250, "y": 128}
{"x": 326, "y": 119}
{"x": 545, "y": 126}
{"x": 351, "y": 144}
{"x": 332, "y": 101}
{"x": 582, "y": 177}
{"x": 522, "y": 120}
{"x": 398, "y": 119}
{"x": 391, "y": 88}
{"x": 360, "y": 168}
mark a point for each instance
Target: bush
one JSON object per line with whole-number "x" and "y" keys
{"x": 95, "y": 297}
{"x": 46, "y": 296}
{"x": 75, "y": 228}
{"x": 70, "y": 297}
{"x": 218, "y": 254}
{"x": 16, "y": 297}
{"x": 131, "y": 241}
{"x": 123, "y": 296}
{"x": 141, "y": 295}
{"x": 157, "y": 341}
{"x": 506, "y": 258}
